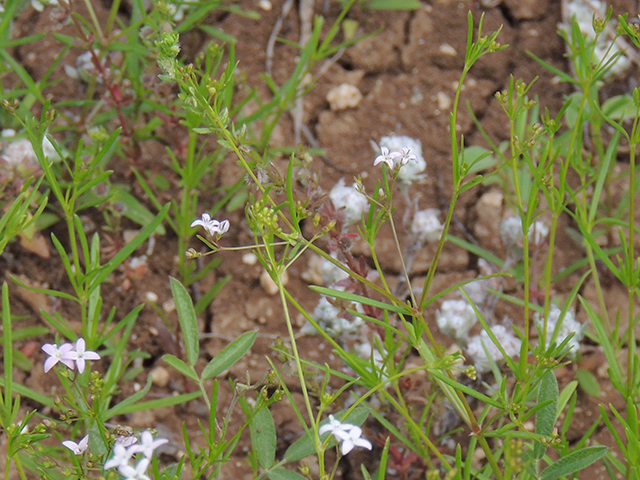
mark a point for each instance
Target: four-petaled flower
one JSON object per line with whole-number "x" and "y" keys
{"x": 64, "y": 354}
{"x": 351, "y": 438}
{"x": 349, "y": 435}
{"x": 81, "y": 355}
{"x": 213, "y": 227}
{"x": 403, "y": 157}
{"x": 135, "y": 473}
{"x": 385, "y": 157}
{"x": 77, "y": 448}
{"x": 121, "y": 456}
{"x": 147, "y": 444}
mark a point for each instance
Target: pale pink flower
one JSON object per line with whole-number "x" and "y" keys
{"x": 385, "y": 157}
{"x": 77, "y": 448}
{"x": 347, "y": 434}
{"x": 121, "y": 456}
{"x": 139, "y": 472}
{"x": 213, "y": 227}
{"x": 64, "y": 354}
{"x": 80, "y": 355}
{"x": 403, "y": 157}
{"x": 147, "y": 444}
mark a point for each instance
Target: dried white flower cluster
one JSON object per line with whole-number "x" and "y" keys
{"x": 321, "y": 271}
{"x": 19, "y": 153}
{"x": 512, "y": 234}
{"x": 405, "y": 152}
{"x": 349, "y": 201}
{"x": 329, "y": 319}
{"x": 455, "y": 318}
{"x": 426, "y": 226}
{"x": 569, "y": 326}
{"x": 477, "y": 345}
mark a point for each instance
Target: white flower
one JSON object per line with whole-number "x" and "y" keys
{"x": 409, "y": 171}
{"x": 125, "y": 441}
{"x": 351, "y": 439}
{"x": 569, "y": 325}
{"x": 349, "y": 201}
{"x": 349, "y": 435}
{"x": 77, "y": 448}
{"x": 455, "y": 318}
{"x": 135, "y": 473}
{"x": 148, "y": 444}
{"x": 404, "y": 156}
{"x": 64, "y": 354}
{"x": 40, "y": 4}
{"x": 80, "y": 355}
{"x": 426, "y": 225}
{"x": 214, "y": 227}
{"x": 121, "y": 456}
{"x": 385, "y": 156}
{"x": 509, "y": 342}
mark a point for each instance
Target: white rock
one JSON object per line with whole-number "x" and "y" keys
{"x": 160, "y": 377}
{"x": 268, "y": 285}
{"x": 343, "y": 97}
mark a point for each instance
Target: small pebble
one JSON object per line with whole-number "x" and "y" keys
{"x": 269, "y": 285}
{"x": 265, "y": 5}
{"x": 151, "y": 297}
{"x": 249, "y": 259}
{"x": 343, "y": 97}
{"x": 448, "y": 50}
{"x": 160, "y": 377}
{"x": 129, "y": 235}
{"x": 443, "y": 100}
{"x": 169, "y": 306}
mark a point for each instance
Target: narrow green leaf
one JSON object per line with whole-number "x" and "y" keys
{"x": 284, "y": 474}
{"x": 546, "y": 416}
{"x": 358, "y": 298}
{"x": 229, "y": 355}
{"x": 263, "y": 437}
{"x": 8, "y": 349}
{"x": 304, "y": 446}
{"x": 188, "y": 320}
{"x": 574, "y": 462}
{"x": 180, "y": 366}
{"x": 588, "y": 382}
{"x": 161, "y": 402}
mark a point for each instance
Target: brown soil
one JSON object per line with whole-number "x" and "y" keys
{"x": 402, "y": 73}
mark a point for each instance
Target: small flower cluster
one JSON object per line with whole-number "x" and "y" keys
{"x": 122, "y": 456}
{"x": 405, "y": 154}
{"x": 426, "y": 225}
{"x": 329, "y": 320}
{"x": 569, "y": 326}
{"x": 347, "y": 434}
{"x": 69, "y": 355}
{"x": 213, "y": 227}
{"x": 455, "y": 318}
{"x": 511, "y": 232}
{"x": 477, "y": 345}
{"x": 395, "y": 158}
{"x": 349, "y": 201}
